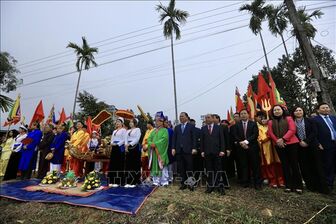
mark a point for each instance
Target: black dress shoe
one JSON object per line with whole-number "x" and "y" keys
{"x": 221, "y": 191}
{"x": 191, "y": 188}
{"x": 183, "y": 187}
{"x": 209, "y": 190}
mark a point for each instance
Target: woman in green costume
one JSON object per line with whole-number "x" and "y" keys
{"x": 158, "y": 153}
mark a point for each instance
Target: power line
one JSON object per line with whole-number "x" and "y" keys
{"x": 228, "y": 78}
{"x": 66, "y": 63}
{"x": 126, "y": 34}
{"x": 135, "y": 55}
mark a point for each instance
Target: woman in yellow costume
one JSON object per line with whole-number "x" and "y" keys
{"x": 270, "y": 163}
{"x": 6, "y": 152}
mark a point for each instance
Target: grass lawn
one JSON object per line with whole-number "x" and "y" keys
{"x": 170, "y": 205}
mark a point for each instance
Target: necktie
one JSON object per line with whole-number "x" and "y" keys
{"x": 331, "y": 127}
{"x": 182, "y": 128}
{"x": 245, "y": 128}
{"x": 210, "y": 129}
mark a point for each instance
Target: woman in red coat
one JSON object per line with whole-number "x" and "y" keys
{"x": 282, "y": 130}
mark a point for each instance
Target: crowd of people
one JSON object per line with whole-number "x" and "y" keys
{"x": 280, "y": 149}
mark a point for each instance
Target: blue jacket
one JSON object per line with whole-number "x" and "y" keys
{"x": 58, "y": 145}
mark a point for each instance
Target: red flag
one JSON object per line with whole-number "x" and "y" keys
{"x": 250, "y": 101}
{"x": 38, "y": 115}
{"x": 89, "y": 125}
{"x": 63, "y": 117}
{"x": 275, "y": 97}
{"x": 239, "y": 102}
{"x": 228, "y": 116}
{"x": 263, "y": 88}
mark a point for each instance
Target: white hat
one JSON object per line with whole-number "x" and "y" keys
{"x": 24, "y": 127}
{"x": 121, "y": 119}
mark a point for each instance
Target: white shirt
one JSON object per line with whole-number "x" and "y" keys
{"x": 93, "y": 142}
{"x": 245, "y": 123}
{"x": 118, "y": 136}
{"x": 17, "y": 144}
{"x": 133, "y": 136}
{"x": 325, "y": 117}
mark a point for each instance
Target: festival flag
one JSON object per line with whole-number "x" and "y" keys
{"x": 275, "y": 97}
{"x": 89, "y": 125}
{"x": 51, "y": 118}
{"x": 263, "y": 88}
{"x": 38, "y": 115}
{"x": 63, "y": 117}
{"x": 228, "y": 116}
{"x": 239, "y": 102}
{"x": 14, "y": 115}
{"x": 250, "y": 101}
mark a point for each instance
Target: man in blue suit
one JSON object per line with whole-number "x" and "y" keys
{"x": 326, "y": 135}
{"x": 184, "y": 146}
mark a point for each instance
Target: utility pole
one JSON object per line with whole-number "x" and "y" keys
{"x": 306, "y": 48}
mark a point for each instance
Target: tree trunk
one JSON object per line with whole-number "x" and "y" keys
{"x": 323, "y": 95}
{"x": 174, "y": 80}
{"x": 77, "y": 88}
{"x": 284, "y": 43}
{"x": 263, "y": 45}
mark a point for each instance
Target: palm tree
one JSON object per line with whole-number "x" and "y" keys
{"x": 5, "y": 103}
{"x": 84, "y": 60}
{"x": 306, "y": 20}
{"x": 172, "y": 17}
{"x": 258, "y": 14}
{"x": 277, "y": 22}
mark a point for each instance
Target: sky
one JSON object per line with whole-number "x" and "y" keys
{"x": 216, "y": 54}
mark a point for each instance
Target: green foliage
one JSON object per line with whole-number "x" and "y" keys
{"x": 8, "y": 79}
{"x": 84, "y": 55}
{"x": 258, "y": 14}
{"x": 306, "y": 20}
{"x": 291, "y": 80}
{"x": 90, "y": 106}
{"x": 8, "y": 72}
{"x": 175, "y": 16}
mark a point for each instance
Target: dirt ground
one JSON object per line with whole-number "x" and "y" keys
{"x": 171, "y": 205}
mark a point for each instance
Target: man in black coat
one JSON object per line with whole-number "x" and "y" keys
{"x": 184, "y": 146}
{"x": 326, "y": 136}
{"x": 44, "y": 148}
{"x": 213, "y": 149}
{"x": 245, "y": 136}
{"x": 225, "y": 129}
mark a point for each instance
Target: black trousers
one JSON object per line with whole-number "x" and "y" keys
{"x": 329, "y": 163}
{"x": 249, "y": 159}
{"x": 117, "y": 166}
{"x": 133, "y": 166}
{"x": 13, "y": 166}
{"x": 184, "y": 166}
{"x": 290, "y": 166}
{"x": 44, "y": 166}
{"x": 213, "y": 166}
{"x": 235, "y": 157}
{"x": 198, "y": 165}
{"x": 228, "y": 165}
{"x": 311, "y": 167}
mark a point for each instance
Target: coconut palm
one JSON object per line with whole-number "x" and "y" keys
{"x": 172, "y": 19}
{"x": 306, "y": 20}
{"x": 84, "y": 60}
{"x": 258, "y": 15}
{"x": 277, "y": 22}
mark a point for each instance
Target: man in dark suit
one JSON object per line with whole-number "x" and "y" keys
{"x": 213, "y": 149}
{"x": 198, "y": 161}
{"x": 234, "y": 149}
{"x": 245, "y": 136}
{"x": 225, "y": 129}
{"x": 184, "y": 146}
{"x": 326, "y": 135}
